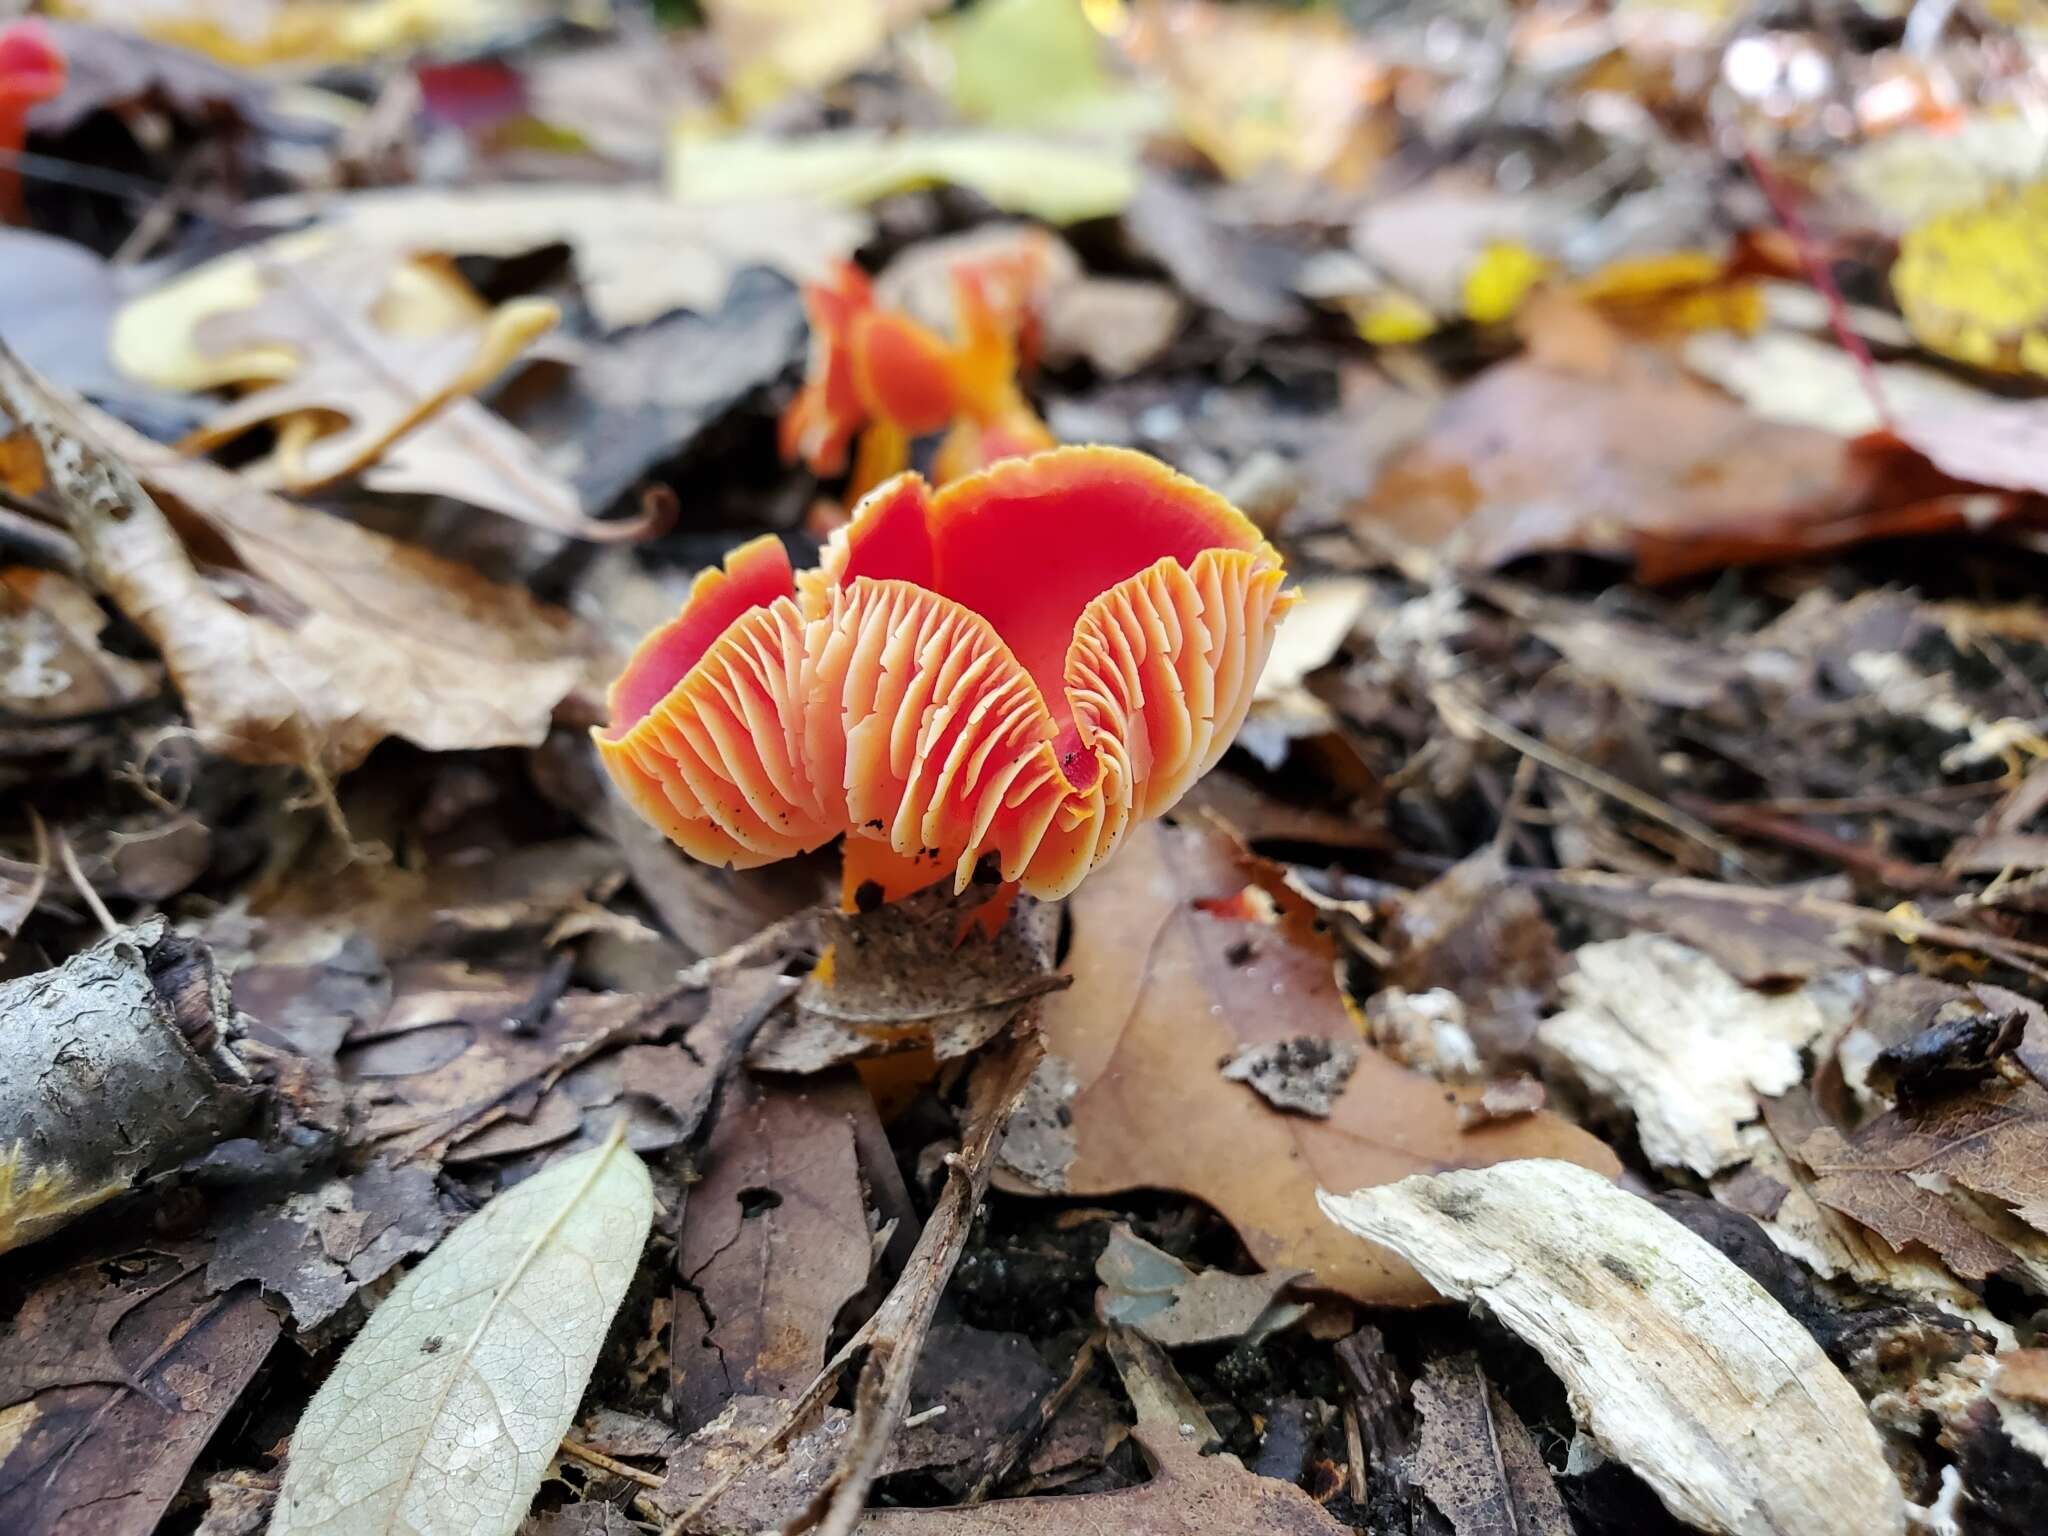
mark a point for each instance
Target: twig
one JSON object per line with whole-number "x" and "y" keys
{"x": 591, "y": 1455}
{"x": 1010, "y": 1448}
{"x": 1455, "y": 706}
{"x": 83, "y": 886}
{"x": 892, "y": 1338}
{"x": 1818, "y": 274}
{"x": 1901, "y": 922}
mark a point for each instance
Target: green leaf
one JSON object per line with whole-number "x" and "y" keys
{"x": 1050, "y": 179}
{"x": 442, "y": 1416}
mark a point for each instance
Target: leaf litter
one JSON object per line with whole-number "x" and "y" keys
{"x": 1645, "y": 779}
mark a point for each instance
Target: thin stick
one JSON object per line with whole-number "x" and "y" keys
{"x": 1818, "y": 274}
{"x": 596, "y": 1458}
{"x": 1454, "y": 706}
{"x": 84, "y": 886}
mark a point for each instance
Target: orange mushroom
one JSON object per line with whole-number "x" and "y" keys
{"x": 32, "y": 70}
{"x": 878, "y": 373}
{"x": 1020, "y": 663}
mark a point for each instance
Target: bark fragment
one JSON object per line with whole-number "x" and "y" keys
{"x": 1677, "y": 1362}
{"x": 114, "y": 1066}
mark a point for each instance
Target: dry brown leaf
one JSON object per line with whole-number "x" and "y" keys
{"x": 363, "y": 395}
{"x": 1165, "y": 987}
{"x": 1148, "y": 1289}
{"x": 1531, "y": 457}
{"x": 52, "y": 666}
{"x": 1676, "y": 1361}
{"x": 116, "y": 1376}
{"x": 774, "y": 1242}
{"x": 1909, "y": 1176}
{"x": 1189, "y": 1495}
{"x": 1477, "y": 1461}
{"x": 336, "y": 637}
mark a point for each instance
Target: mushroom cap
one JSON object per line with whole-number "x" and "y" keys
{"x": 819, "y": 425}
{"x": 1020, "y": 663}
{"x": 32, "y": 67}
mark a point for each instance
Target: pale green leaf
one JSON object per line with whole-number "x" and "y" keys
{"x": 441, "y": 1417}
{"x": 1054, "y": 180}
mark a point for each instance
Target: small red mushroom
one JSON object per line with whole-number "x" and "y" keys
{"x": 32, "y": 70}
{"x": 1021, "y": 663}
{"x": 879, "y": 374}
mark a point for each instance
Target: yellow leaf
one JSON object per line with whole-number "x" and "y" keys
{"x": 1037, "y": 63}
{"x": 1256, "y": 87}
{"x": 775, "y": 46}
{"x": 153, "y": 337}
{"x": 1391, "y": 319}
{"x": 1500, "y": 279}
{"x": 1673, "y": 293}
{"x": 1973, "y": 283}
{"x": 1052, "y": 180}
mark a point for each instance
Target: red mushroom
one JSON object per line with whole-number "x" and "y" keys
{"x": 32, "y": 70}
{"x": 870, "y": 368}
{"x": 1020, "y": 664}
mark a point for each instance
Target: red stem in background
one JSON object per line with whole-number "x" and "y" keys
{"x": 1818, "y": 273}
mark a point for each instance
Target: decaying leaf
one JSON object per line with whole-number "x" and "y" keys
{"x": 1910, "y": 1176}
{"x": 317, "y": 1247}
{"x": 910, "y": 974}
{"x": 1190, "y": 1493}
{"x": 359, "y": 393}
{"x": 1483, "y": 940}
{"x": 1689, "y": 1050}
{"x": 1476, "y": 1459}
{"x": 1176, "y": 965}
{"x": 52, "y": 665}
{"x": 346, "y": 637}
{"x": 639, "y": 255}
{"x": 1148, "y": 1289}
{"x": 1677, "y": 1362}
{"x": 444, "y": 1412}
{"x": 1533, "y": 457}
{"x": 114, "y": 1375}
{"x": 134, "y": 1032}
{"x": 775, "y": 1240}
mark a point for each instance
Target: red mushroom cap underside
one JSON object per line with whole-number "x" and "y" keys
{"x": 1020, "y": 664}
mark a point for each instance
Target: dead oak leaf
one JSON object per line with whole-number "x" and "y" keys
{"x": 1169, "y": 979}
{"x": 305, "y": 639}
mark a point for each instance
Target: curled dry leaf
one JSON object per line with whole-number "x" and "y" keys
{"x": 1663, "y": 1030}
{"x": 52, "y": 667}
{"x": 1677, "y": 1362}
{"x": 444, "y": 1412}
{"x": 1186, "y": 950}
{"x": 342, "y": 637}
